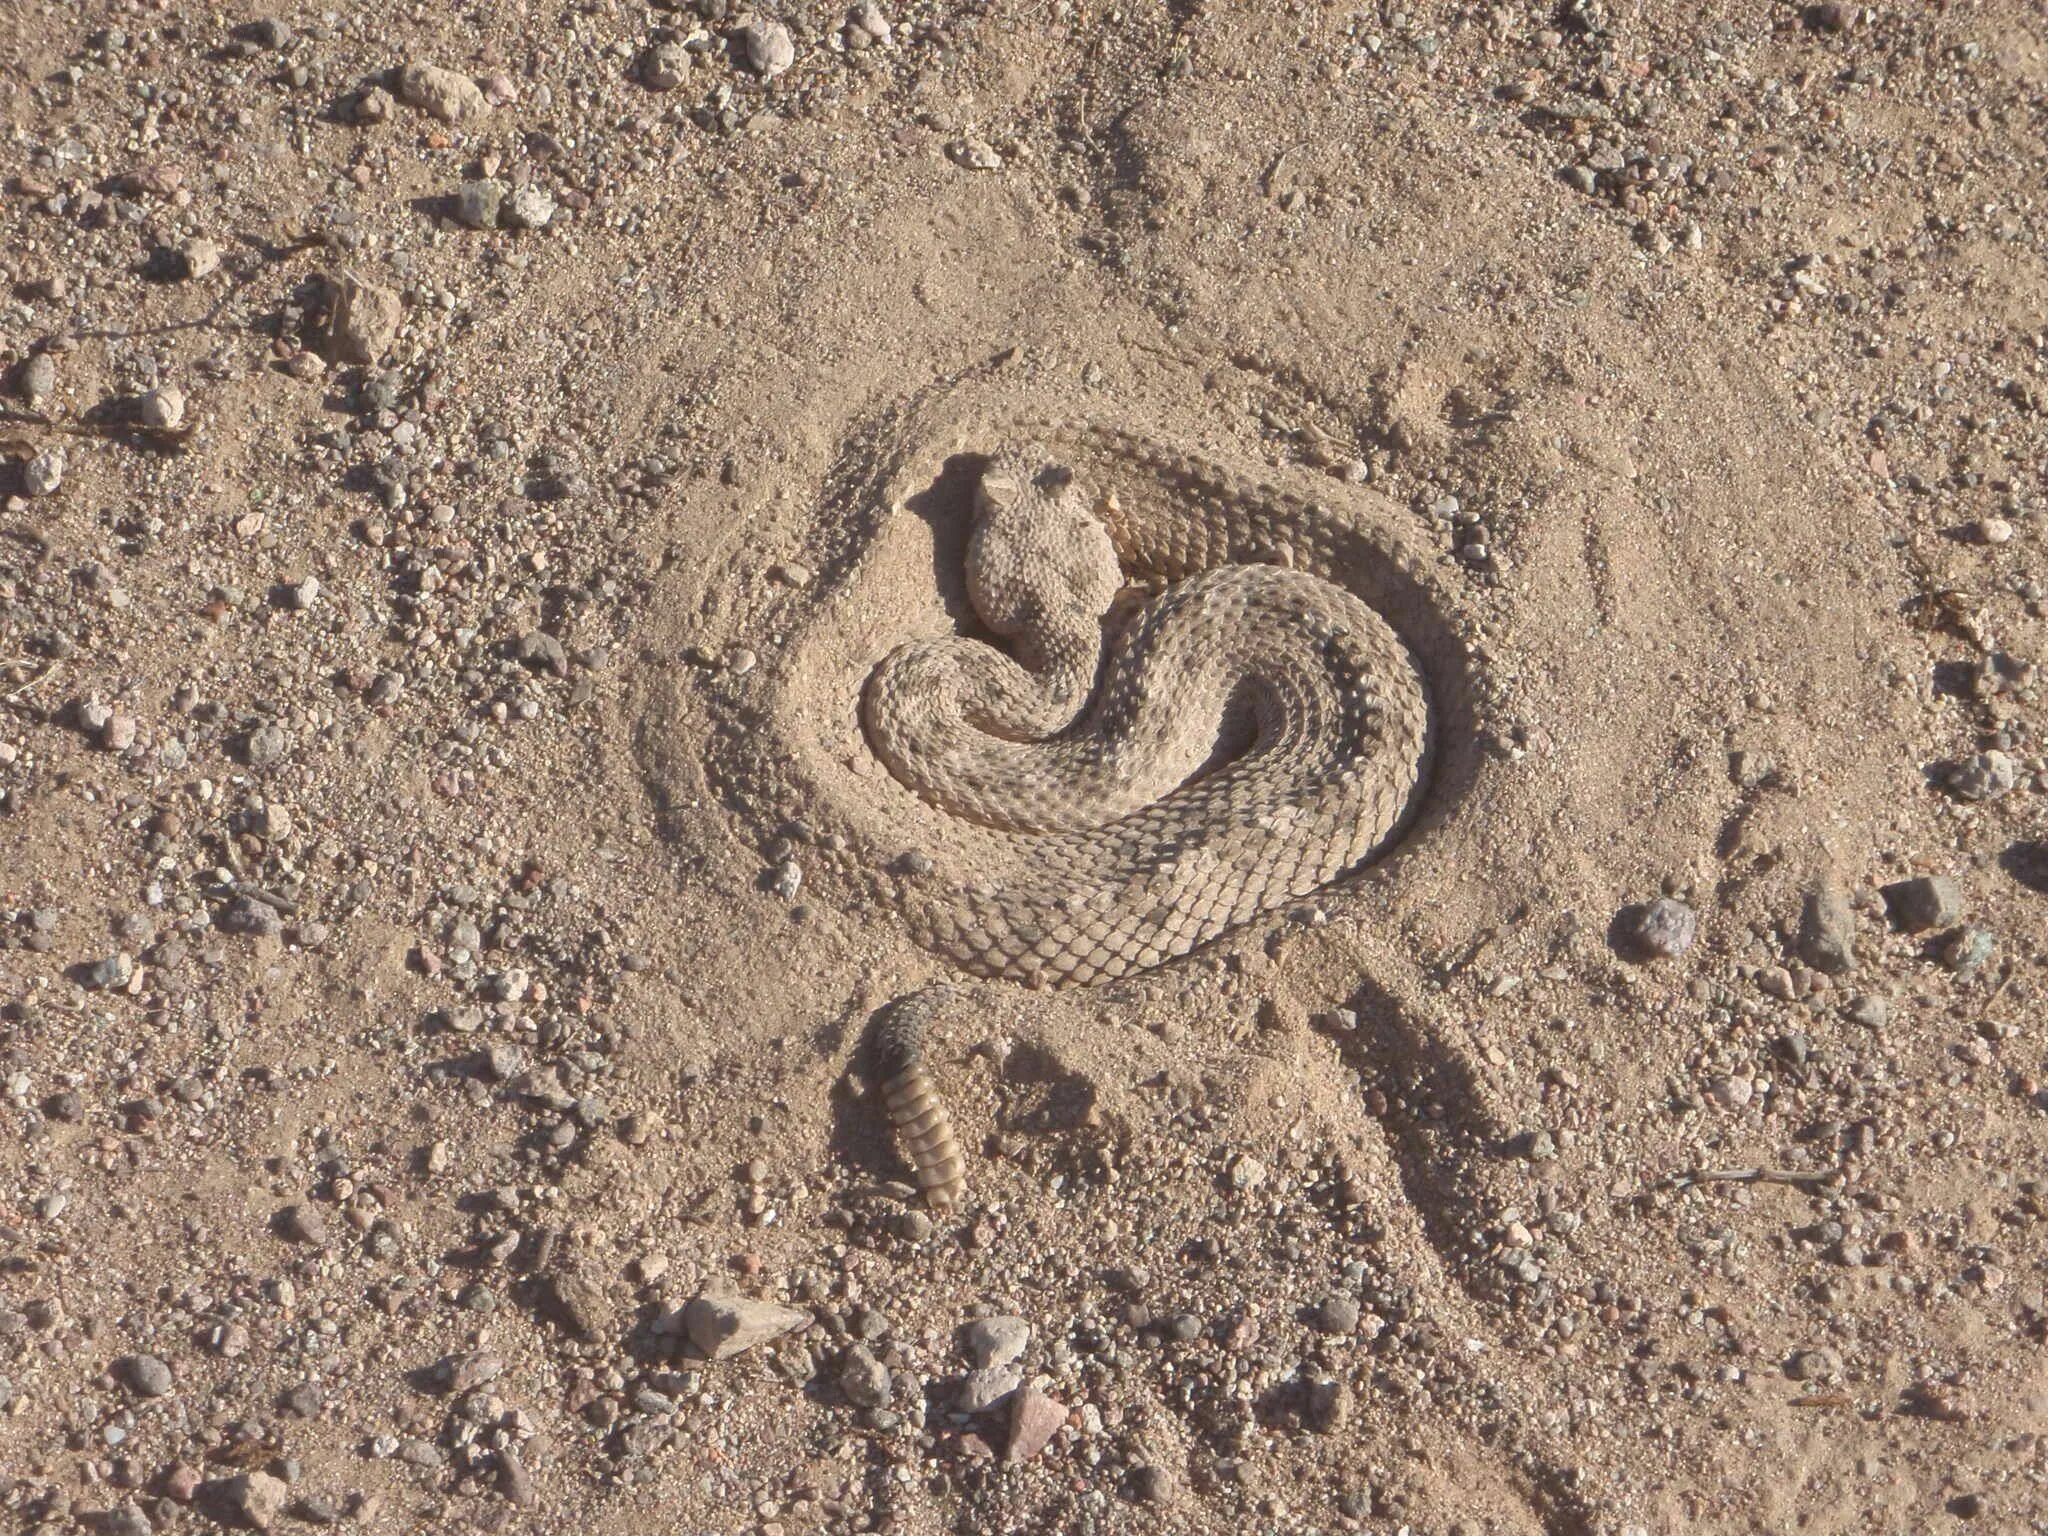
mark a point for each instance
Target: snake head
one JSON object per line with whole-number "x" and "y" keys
{"x": 1042, "y": 570}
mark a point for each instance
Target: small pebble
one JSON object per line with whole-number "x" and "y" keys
{"x": 147, "y": 1376}
{"x": 162, "y": 408}
{"x": 477, "y": 203}
{"x": 44, "y": 474}
{"x": 1663, "y": 929}
{"x": 997, "y": 1341}
{"x": 769, "y": 48}
{"x": 1924, "y": 902}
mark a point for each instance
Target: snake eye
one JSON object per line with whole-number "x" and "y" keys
{"x": 1053, "y": 477}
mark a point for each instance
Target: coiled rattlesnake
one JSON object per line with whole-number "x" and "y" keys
{"x": 1255, "y": 729}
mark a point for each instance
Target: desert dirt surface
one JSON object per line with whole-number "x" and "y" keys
{"x": 460, "y": 465}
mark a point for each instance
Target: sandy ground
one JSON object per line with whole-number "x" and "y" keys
{"x": 447, "y": 524}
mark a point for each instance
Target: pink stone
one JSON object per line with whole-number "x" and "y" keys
{"x": 1034, "y": 1420}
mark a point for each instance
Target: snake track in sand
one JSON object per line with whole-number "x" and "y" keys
{"x": 1245, "y": 728}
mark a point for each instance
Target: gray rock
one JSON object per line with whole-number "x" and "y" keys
{"x": 122, "y": 1520}
{"x": 267, "y": 32}
{"x": 477, "y": 203}
{"x": 1661, "y": 930}
{"x": 1815, "y": 1365}
{"x": 43, "y": 475}
{"x": 1924, "y": 902}
{"x": 863, "y": 1378}
{"x": 1987, "y": 776}
{"x": 769, "y": 48}
{"x": 719, "y": 1327}
{"x": 529, "y": 207}
{"x": 982, "y": 1390}
{"x": 36, "y": 380}
{"x": 995, "y": 1341}
{"x": 1152, "y": 1484}
{"x": 1968, "y": 951}
{"x": 514, "y": 1481}
{"x": 665, "y": 66}
{"x": 147, "y": 1376}
{"x": 109, "y": 972}
{"x": 1827, "y": 930}
{"x": 416, "y": 1452}
{"x": 538, "y": 648}
{"x": 247, "y": 915}
{"x": 1337, "y": 1314}
{"x": 266, "y": 746}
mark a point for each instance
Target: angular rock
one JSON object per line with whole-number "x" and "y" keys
{"x": 1034, "y": 1420}
{"x": 302, "y": 1224}
{"x": 665, "y": 67}
{"x": 1924, "y": 902}
{"x": 719, "y": 1327}
{"x": 996, "y": 1341}
{"x": 863, "y": 1378}
{"x": 1326, "y": 1405}
{"x": 579, "y": 1305}
{"x": 1660, "y": 930}
{"x": 198, "y": 258}
{"x": 514, "y": 1481}
{"x": 122, "y": 1520}
{"x": 477, "y": 203}
{"x": 463, "y": 1372}
{"x": 255, "y": 1499}
{"x": 982, "y": 1390}
{"x": 1987, "y": 776}
{"x": 365, "y": 321}
{"x": 1827, "y": 929}
{"x": 1337, "y": 1314}
{"x": 529, "y": 207}
{"x": 442, "y": 93}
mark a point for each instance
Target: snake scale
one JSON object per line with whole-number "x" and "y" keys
{"x": 1215, "y": 699}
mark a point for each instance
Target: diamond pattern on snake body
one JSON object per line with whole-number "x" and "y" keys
{"x": 1187, "y": 721}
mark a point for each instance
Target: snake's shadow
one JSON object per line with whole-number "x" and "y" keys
{"x": 860, "y": 1136}
{"x": 947, "y": 507}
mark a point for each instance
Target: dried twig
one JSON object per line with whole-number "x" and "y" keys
{"x": 1812, "y": 1179}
